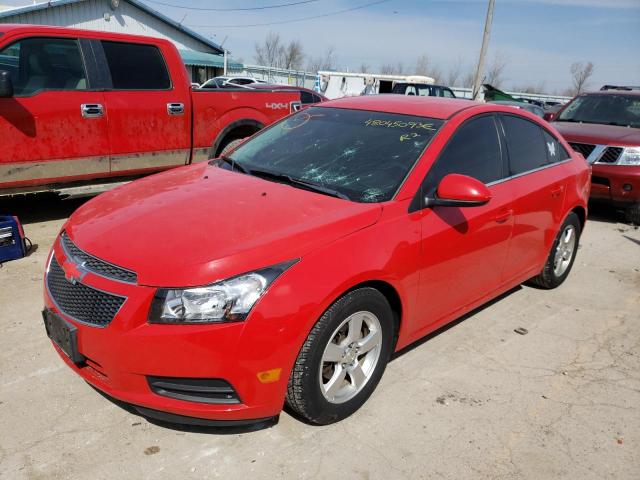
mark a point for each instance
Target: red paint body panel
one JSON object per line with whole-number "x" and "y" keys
{"x": 135, "y": 135}
{"x": 199, "y": 223}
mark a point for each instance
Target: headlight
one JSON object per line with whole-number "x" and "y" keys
{"x": 229, "y": 300}
{"x": 630, "y": 156}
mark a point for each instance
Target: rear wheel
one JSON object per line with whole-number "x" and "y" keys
{"x": 562, "y": 256}
{"x": 343, "y": 358}
{"x": 632, "y": 214}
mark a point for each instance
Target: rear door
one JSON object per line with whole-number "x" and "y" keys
{"x": 149, "y": 113}
{"x": 54, "y": 128}
{"x": 464, "y": 249}
{"x": 538, "y": 174}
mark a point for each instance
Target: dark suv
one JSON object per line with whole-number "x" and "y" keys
{"x": 604, "y": 127}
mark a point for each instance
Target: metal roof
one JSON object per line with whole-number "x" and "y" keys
{"x": 202, "y": 59}
{"x": 154, "y": 13}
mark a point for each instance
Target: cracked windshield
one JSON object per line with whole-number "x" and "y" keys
{"x": 362, "y": 155}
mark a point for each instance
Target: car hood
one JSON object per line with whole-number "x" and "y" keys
{"x": 198, "y": 224}
{"x": 598, "y": 134}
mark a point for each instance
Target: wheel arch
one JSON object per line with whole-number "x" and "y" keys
{"x": 237, "y": 129}
{"x": 581, "y": 212}
{"x": 392, "y": 296}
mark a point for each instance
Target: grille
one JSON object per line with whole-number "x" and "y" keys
{"x": 79, "y": 301}
{"x": 202, "y": 390}
{"x": 584, "y": 148}
{"x": 96, "y": 265}
{"x": 610, "y": 155}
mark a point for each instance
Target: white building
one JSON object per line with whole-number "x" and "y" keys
{"x": 203, "y": 57}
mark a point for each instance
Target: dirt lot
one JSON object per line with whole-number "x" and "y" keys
{"x": 476, "y": 400}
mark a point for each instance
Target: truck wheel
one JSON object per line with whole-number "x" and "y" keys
{"x": 230, "y": 146}
{"x": 562, "y": 256}
{"x": 632, "y": 214}
{"x": 343, "y": 358}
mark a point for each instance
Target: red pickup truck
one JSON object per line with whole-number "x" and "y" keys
{"x": 82, "y": 107}
{"x": 604, "y": 127}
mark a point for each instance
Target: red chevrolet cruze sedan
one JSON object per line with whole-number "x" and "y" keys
{"x": 291, "y": 269}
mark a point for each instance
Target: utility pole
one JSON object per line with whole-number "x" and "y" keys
{"x": 477, "y": 81}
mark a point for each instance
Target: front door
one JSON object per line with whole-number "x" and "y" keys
{"x": 464, "y": 249}
{"x": 54, "y": 128}
{"x": 149, "y": 115}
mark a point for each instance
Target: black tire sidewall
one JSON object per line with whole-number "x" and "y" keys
{"x": 318, "y": 407}
{"x": 555, "y": 280}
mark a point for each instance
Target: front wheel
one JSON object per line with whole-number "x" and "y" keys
{"x": 343, "y": 358}
{"x": 632, "y": 214}
{"x": 563, "y": 253}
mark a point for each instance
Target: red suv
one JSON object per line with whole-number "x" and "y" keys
{"x": 291, "y": 269}
{"x": 604, "y": 126}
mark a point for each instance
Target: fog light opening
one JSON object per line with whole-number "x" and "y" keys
{"x": 627, "y": 187}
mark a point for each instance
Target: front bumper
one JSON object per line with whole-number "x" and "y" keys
{"x": 611, "y": 183}
{"x": 122, "y": 356}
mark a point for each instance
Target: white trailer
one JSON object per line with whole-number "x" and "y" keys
{"x": 343, "y": 84}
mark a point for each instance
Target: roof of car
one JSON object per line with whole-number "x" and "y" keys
{"x": 612, "y": 92}
{"x": 433, "y": 107}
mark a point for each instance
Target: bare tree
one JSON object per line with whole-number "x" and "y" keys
{"x": 269, "y": 52}
{"x": 364, "y": 68}
{"x": 423, "y": 64}
{"x": 454, "y": 73}
{"x": 323, "y": 62}
{"x": 292, "y": 56}
{"x": 494, "y": 73}
{"x": 467, "y": 80}
{"x": 388, "y": 69}
{"x": 580, "y": 74}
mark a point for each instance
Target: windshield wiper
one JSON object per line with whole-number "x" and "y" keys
{"x": 283, "y": 178}
{"x": 234, "y": 165}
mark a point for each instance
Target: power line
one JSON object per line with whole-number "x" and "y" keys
{"x": 232, "y": 9}
{"x": 295, "y": 19}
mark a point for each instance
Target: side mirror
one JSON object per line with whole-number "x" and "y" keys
{"x": 457, "y": 190}
{"x": 6, "y": 85}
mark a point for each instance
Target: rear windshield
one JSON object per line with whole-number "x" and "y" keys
{"x": 362, "y": 154}
{"x": 623, "y": 110}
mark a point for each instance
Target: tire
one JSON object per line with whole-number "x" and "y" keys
{"x": 632, "y": 214}
{"x": 230, "y": 146}
{"x": 354, "y": 374}
{"x": 562, "y": 255}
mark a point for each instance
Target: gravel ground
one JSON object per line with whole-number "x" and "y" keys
{"x": 476, "y": 400}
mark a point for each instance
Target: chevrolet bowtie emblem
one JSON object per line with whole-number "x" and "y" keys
{"x": 73, "y": 273}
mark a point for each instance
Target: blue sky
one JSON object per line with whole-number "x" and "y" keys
{"x": 538, "y": 38}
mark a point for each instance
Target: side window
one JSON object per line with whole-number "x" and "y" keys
{"x": 474, "y": 150}
{"x": 306, "y": 97}
{"x": 136, "y": 66}
{"x": 525, "y": 144}
{"x": 555, "y": 151}
{"x": 447, "y": 93}
{"x": 38, "y": 64}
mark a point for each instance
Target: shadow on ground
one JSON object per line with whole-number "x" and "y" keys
{"x": 40, "y": 207}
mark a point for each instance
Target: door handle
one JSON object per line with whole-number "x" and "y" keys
{"x": 556, "y": 192}
{"x": 175, "y": 108}
{"x": 502, "y": 217}
{"x": 92, "y": 110}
